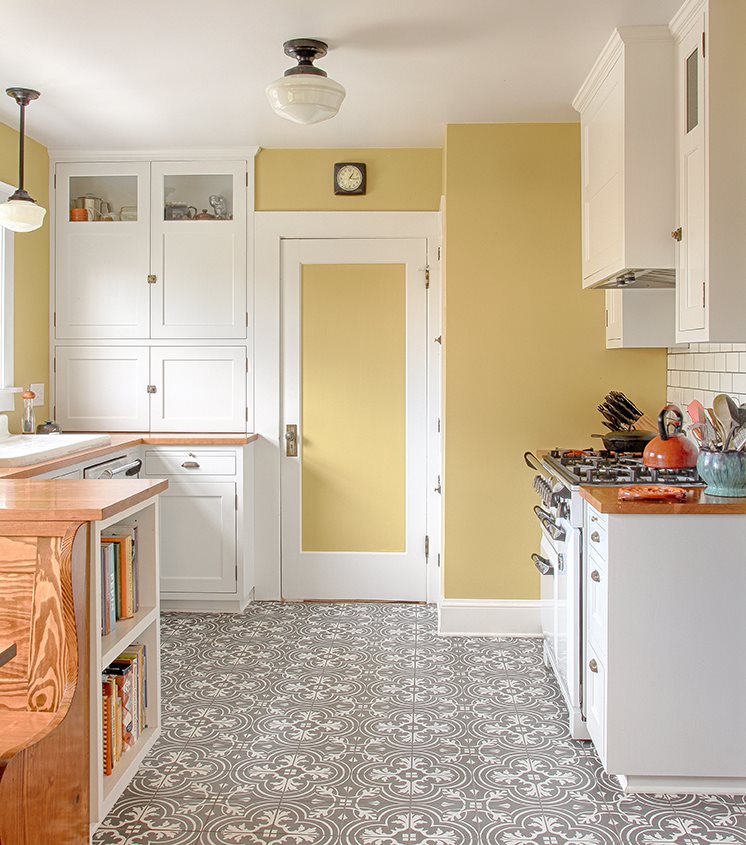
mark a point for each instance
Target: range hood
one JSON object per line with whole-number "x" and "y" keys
{"x": 639, "y": 279}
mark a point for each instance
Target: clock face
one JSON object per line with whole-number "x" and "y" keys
{"x": 350, "y": 179}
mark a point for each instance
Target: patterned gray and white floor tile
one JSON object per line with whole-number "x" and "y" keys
{"x": 312, "y": 724}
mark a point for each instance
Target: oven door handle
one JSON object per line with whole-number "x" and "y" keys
{"x": 532, "y": 462}
{"x": 545, "y": 518}
{"x": 542, "y": 564}
{"x": 128, "y": 469}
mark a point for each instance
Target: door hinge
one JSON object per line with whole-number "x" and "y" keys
{"x": 152, "y": 279}
{"x": 427, "y": 546}
{"x": 704, "y": 52}
{"x": 703, "y": 294}
{"x": 151, "y": 388}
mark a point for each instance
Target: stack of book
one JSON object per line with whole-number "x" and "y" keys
{"x": 119, "y": 593}
{"x": 125, "y": 703}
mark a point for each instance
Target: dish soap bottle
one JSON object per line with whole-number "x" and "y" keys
{"x": 28, "y": 420}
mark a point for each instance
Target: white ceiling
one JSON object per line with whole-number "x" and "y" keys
{"x": 168, "y": 73}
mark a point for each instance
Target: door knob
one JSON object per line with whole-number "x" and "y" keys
{"x": 291, "y": 441}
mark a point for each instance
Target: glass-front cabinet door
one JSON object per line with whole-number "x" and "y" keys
{"x": 198, "y": 244}
{"x": 102, "y": 264}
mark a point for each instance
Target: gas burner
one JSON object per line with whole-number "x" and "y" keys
{"x": 613, "y": 469}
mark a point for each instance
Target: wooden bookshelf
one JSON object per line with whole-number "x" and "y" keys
{"x": 143, "y": 627}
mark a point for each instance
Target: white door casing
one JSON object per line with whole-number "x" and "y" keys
{"x": 270, "y": 229}
{"x": 373, "y": 574}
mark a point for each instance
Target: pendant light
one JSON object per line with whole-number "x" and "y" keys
{"x": 305, "y": 94}
{"x": 21, "y": 212}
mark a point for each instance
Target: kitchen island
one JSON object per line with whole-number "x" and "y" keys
{"x": 663, "y": 647}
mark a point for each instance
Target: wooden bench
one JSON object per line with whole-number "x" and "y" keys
{"x": 44, "y": 685}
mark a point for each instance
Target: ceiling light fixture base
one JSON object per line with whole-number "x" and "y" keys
{"x": 305, "y": 51}
{"x": 23, "y": 96}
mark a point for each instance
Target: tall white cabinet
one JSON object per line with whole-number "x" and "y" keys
{"x": 150, "y": 330}
{"x": 710, "y": 128}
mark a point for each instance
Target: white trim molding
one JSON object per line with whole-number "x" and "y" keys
{"x": 489, "y": 618}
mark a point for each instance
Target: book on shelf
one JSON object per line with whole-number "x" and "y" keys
{"x": 124, "y": 689}
{"x": 119, "y": 579}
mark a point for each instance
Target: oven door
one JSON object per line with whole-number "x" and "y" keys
{"x": 546, "y": 562}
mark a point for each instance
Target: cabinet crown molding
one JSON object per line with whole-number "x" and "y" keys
{"x": 170, "y": 154}
{"x": 613, "y": 50}
{"x": 681, "y": 22}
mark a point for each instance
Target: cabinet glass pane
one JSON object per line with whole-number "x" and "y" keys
{"x": 198, "y": 197}
{"x": 692, "y": 91}
{"x": 103, "y": 198}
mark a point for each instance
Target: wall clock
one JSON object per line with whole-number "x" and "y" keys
{"x": 349, "y": 177}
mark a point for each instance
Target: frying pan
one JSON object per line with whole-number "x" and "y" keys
{"x": 626, "y": 441}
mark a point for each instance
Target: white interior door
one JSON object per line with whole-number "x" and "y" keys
{"x": 355, "y": 386}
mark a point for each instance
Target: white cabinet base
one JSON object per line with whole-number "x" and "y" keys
{"x": 632, "y": 784}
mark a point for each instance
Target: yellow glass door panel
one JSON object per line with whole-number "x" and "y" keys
{"x": 353, "y": 407}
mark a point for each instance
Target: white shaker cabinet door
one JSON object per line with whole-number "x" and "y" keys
{"x": 198, "y": 388}
{"x": 198, "y": 537}
{"x": 102, "y": 388}
{"x": 101, "y": 264}
{"x": 199, "y": 249}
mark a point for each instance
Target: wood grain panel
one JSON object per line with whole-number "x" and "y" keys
{"x": 17, "y": 581}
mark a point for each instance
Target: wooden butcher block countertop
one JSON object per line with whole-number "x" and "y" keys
{"x": 120, "y": 442}
{"x": 74, "y": 501}
{"x": 605, "y": 500}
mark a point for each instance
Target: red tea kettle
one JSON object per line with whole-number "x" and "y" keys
{"x": 670, "y": 450}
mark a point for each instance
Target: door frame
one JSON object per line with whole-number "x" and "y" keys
{"x": 270, "y": 228}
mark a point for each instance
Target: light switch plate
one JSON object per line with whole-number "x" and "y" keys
{"x": 39, "y": 391}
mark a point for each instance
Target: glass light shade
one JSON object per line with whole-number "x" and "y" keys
{"x": 305, "y": 98}
{"x": 21, "y": 215}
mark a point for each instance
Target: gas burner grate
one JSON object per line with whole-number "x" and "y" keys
{"x": 601, "y": 467}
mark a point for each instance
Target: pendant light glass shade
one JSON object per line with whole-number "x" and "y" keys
{"x": 305, "y": 99}
{"x": 21, "y": 213}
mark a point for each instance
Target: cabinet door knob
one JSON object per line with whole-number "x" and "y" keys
{"x": 677, "y": 234}
{"x": 596, "y": 537}
{"x": 596, "y": 576}
{"x": 593, "y": 666}
{"x": 190, "y": 465}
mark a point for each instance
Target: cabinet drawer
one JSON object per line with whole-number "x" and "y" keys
{"x": 595, "y": 700}
{"x": 596, "y": 536}
{"x": 596, "y": 598}
{"x": 190, "y": 463}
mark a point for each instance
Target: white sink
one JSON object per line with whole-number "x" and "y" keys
{"x": 20, "y": 450}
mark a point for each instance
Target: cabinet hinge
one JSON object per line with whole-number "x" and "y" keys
{"x": 247, "y": 178}
{"x": 438, "y": 339}
{"x": 55, "y": 319}
{"x": 426, "y": 268}
{"x": 427, "y": 546}
{"x": 54, "y": 364}
{"x": 247, "y": 319}
{"x": 704, "y": 295}
{"x": 247, "y": 414}
{"x": 55, "y": 180}
{"x": 704, "y": 52}
{"x": 438, "y": 488}
{"x": 606, "y": 312}
{"x": 438, "y": 253}
{"x": 438, "y": 560}
{"x": 236, "y": 501}
{"x": 438, "y": 425}
{"x": 247, "y": 365}
{"x": 151, "y": 388}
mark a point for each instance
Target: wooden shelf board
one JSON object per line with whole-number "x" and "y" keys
{"x": 124, "y": 634}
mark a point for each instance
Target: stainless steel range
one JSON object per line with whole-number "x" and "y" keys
{"x": 559, "y": 476}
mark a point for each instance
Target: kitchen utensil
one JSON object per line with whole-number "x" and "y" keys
{"x": 715, "y": 422}
{"x": 670, "y": 450}
{"x": 652, "y": 493}
{"x": 626, "y": 441}
{"x": 639, "y": 419}
{"x": 704, "y": 433}
{"x": 696, "y": 411}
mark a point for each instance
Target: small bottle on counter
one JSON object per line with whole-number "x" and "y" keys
{"x": 28, "y": 420}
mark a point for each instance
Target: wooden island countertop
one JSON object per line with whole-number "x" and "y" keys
{"x": 605, "y": 500}
{"x": 72, "y": 501}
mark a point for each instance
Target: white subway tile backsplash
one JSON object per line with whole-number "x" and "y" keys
{"x": 702, "y": 370}
{"x": 731, "y": 362}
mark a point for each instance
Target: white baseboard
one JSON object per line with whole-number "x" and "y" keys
{"x": 489, "y": 617}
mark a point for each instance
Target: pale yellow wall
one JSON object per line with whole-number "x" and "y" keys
{"x": 31, "y": 283}
{"x": 526, "y": 363}
{"x": 302, "y": 180}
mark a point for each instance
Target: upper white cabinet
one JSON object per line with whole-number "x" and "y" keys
{"x": 710, "y": 130}
{"x": 103, "y": 260}
{"x": 640, "y": 318}
{"x": 151, "y": 250}
{"x": 628, "y": 168}
{"x": 199, "y": 249}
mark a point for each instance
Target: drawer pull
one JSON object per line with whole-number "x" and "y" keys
{"x": 596, "y": 537}
{"x": 593, "y": 666}
{"x": 595, "y": 576}
{"x": 190, "y": 465}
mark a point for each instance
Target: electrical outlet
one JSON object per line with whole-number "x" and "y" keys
{"x": 39, "y": 391}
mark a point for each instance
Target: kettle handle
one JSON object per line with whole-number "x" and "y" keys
{"x": 663, "y": 423}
